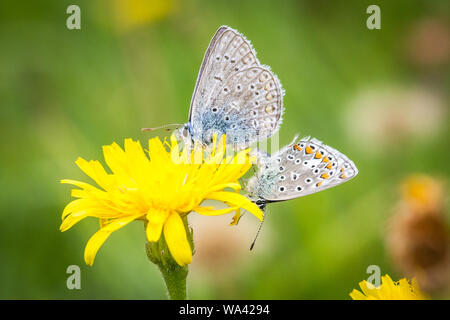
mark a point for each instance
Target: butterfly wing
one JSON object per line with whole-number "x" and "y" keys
{"x": 215, "y": 67}
{"x": 300, "y": 169}
{"x": 234, "y": 94}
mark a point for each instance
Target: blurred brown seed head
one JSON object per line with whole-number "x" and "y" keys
{"x": 418, "y": 237}
{"x": 428, "y": 43}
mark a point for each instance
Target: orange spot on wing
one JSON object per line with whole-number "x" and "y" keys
{"x": 325, "y": 175}
{"x": 296, "y": 147}
{"x": 342, "y": 169}
{"x": 319, "y": 184}
{"x": 318, "y": 155}
{"x": 325, "y": 159}
{"x": 343, "y": 176}
{"x": 308, "y": 149}
{"x": 329, "y": 166}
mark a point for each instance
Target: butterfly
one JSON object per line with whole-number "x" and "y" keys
{"x": 234, "y": 94}
{"x": 298, "y": 169}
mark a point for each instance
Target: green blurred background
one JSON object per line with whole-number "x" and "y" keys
{"x": 379, "y": 96}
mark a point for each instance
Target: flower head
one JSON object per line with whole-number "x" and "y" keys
{"x": 160, "y": 189}
{"x": 418, "y": 237}
{"x": 423, "y": 194}
{"x": 389, "y": 290}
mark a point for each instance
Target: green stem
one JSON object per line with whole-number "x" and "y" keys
{"x": 174, "y": 275}
{"x": 175, "y": 279}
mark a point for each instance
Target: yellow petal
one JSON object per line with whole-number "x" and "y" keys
{"x": 236, "y": 218}
{"x": 96, "y": 172}
{"x": 209, "y": 211}
{"x": 232, "y": 185}
{"x": 116, "y": 159}
{"x": 357, "y": 295}
{"x": 72, "y": 219}
{"x": 369, "y": 289}
{"x": 103, "y": 222}
{"x": 176, "y": 240}
{"x": 156, "y": 219}
{"x": 79, "y": 184}
{"x": 174, "y": 150}
{"x": 153, "y": 231}
{"x": 96, "y": 241}
{"x": 237, "y": 200}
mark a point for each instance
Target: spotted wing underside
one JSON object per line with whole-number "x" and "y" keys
{"x": 234, "y": 93}
{"x": 300, "y": 169}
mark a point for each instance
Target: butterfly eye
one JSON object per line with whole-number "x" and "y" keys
{"x": 185, "y": 132}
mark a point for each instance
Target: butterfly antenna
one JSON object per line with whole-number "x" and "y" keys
{"x": 259, "y": 229}
{"x": 166, "y": 127}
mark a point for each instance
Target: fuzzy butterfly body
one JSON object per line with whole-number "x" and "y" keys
{"x": 300, "y": 169}
{"x": 234, "y": 94}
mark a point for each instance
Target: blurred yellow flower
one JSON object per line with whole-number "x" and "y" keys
{"x": 130, "y": 14}
{"x": 423, "y": 193}
{"x": 389, "y": 290}
{"x": 161, "y": 191}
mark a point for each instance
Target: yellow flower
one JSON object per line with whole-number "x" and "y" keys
{"x": 423, "y": 194}
{"x": 389, "y": 290}
{"x": 160, "y": 189}
{"x": 129, "y": 14}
